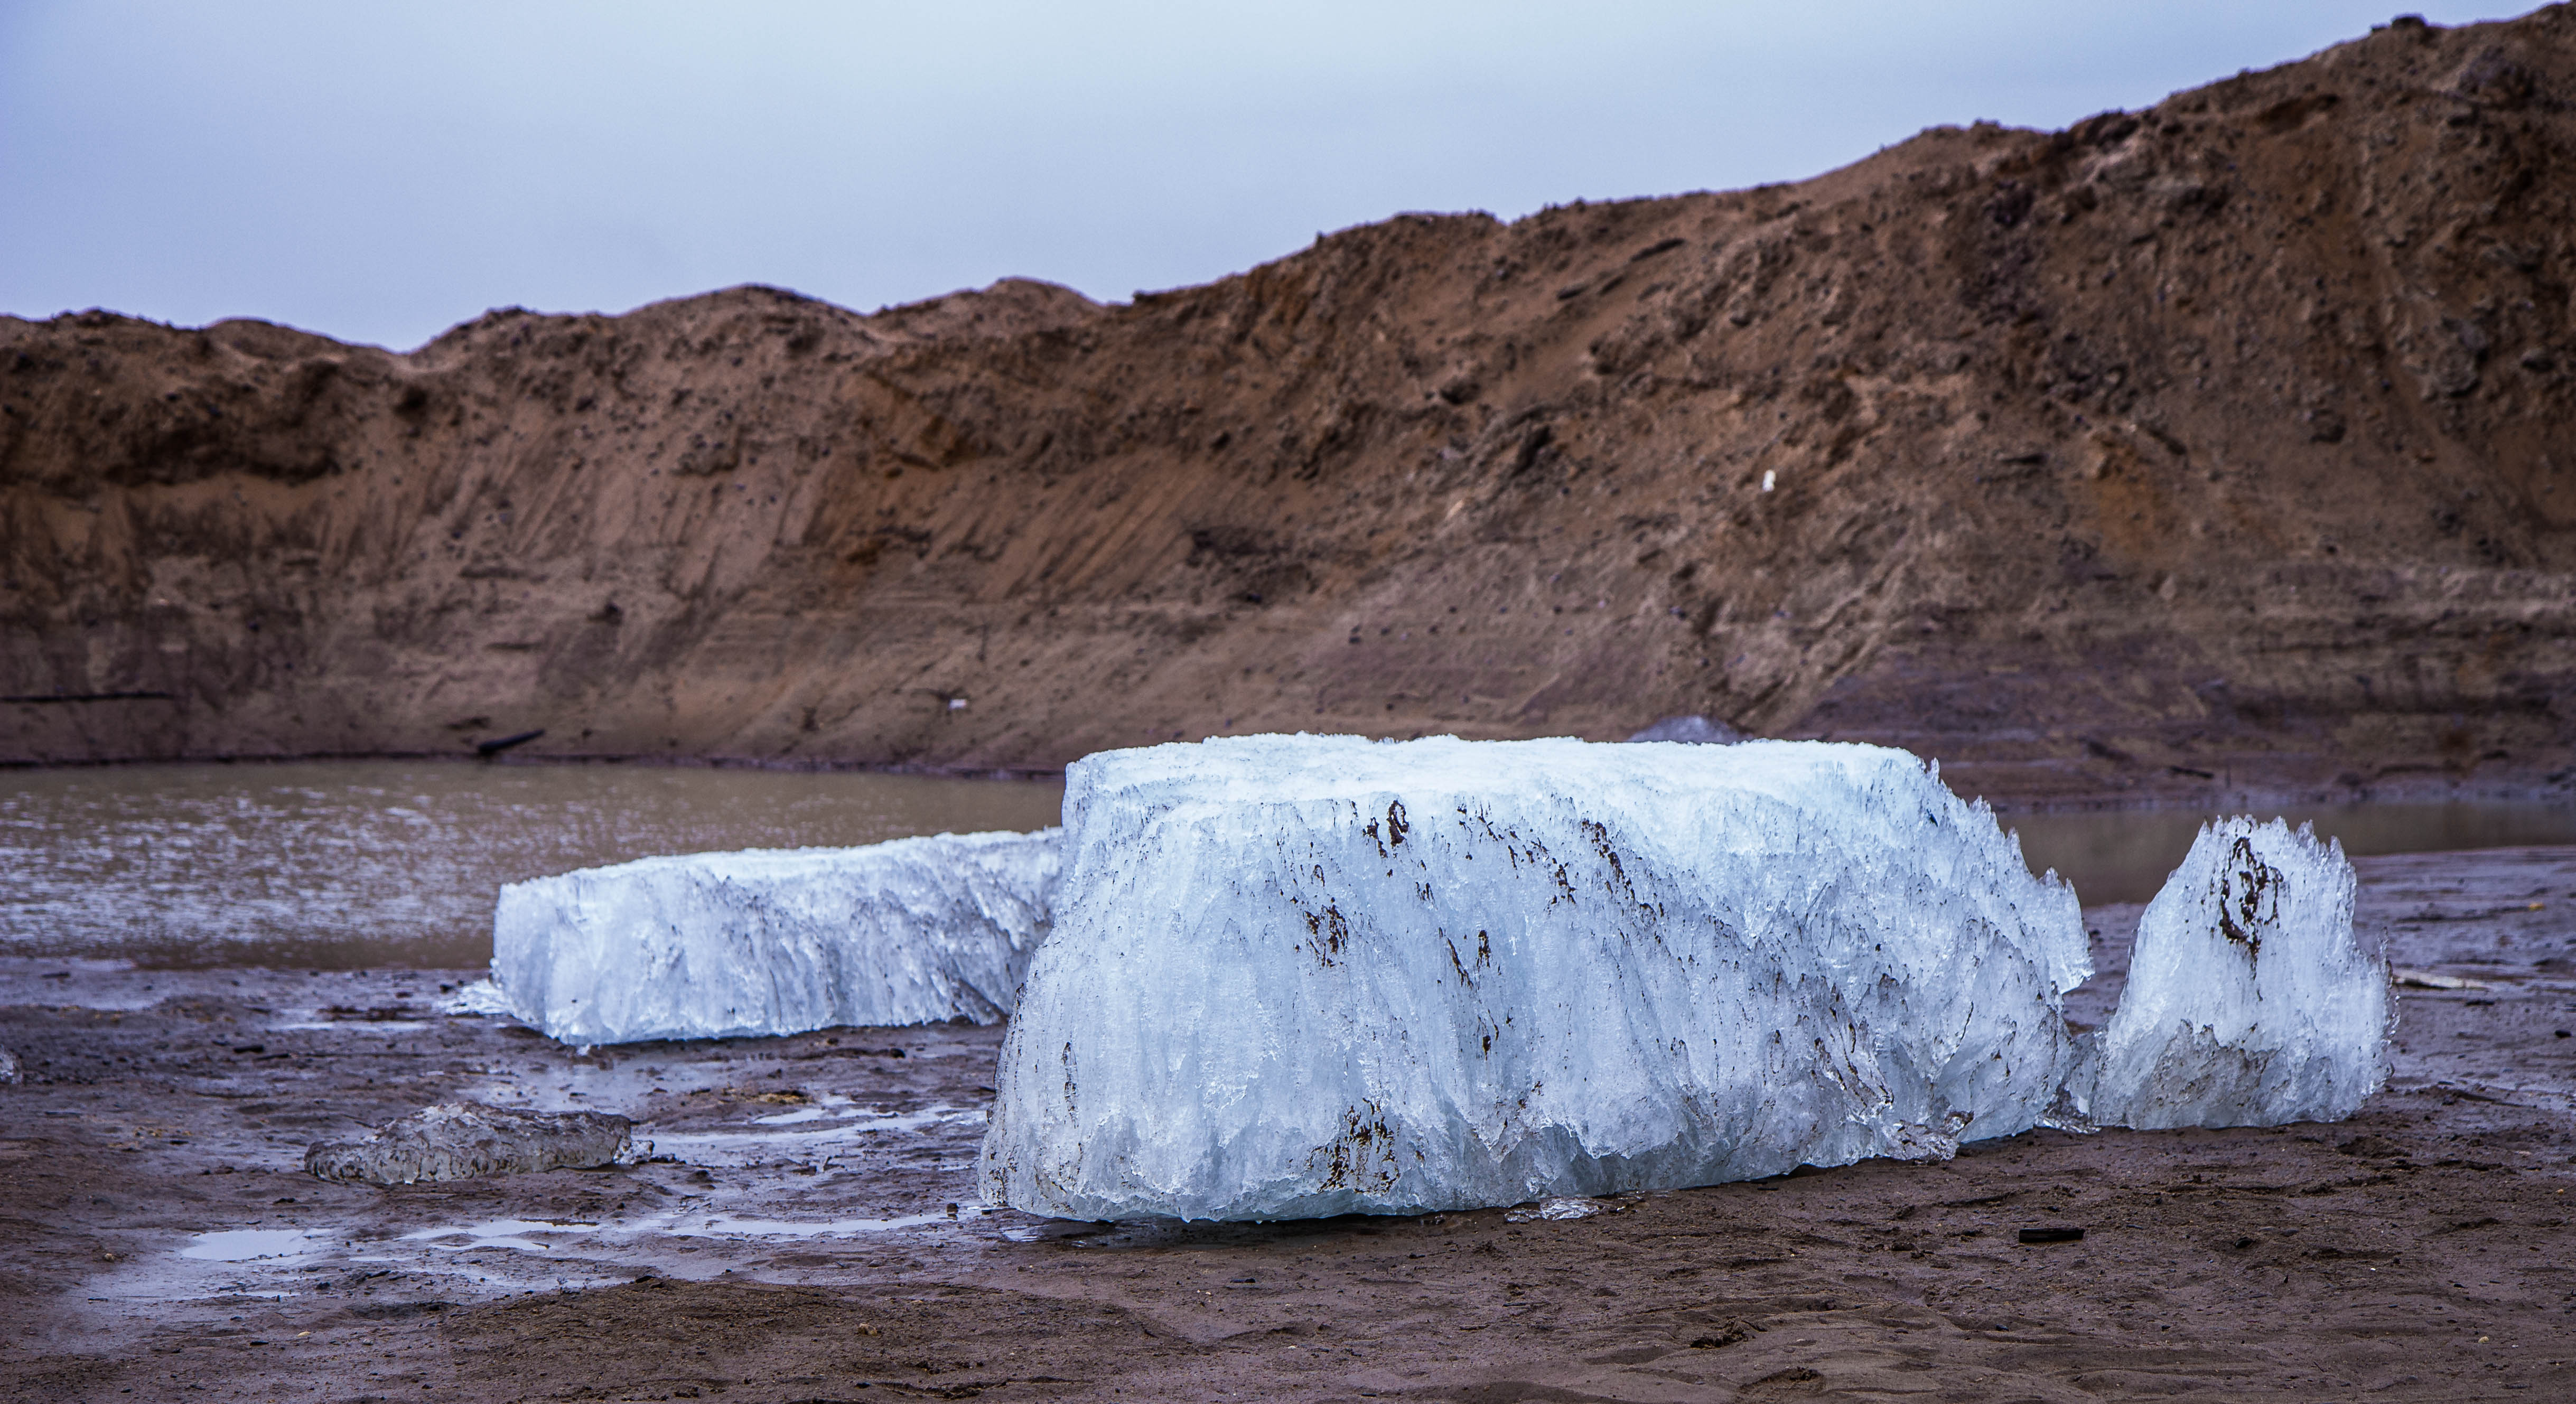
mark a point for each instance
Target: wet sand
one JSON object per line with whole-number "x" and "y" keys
{"x": 793, "y": 1238}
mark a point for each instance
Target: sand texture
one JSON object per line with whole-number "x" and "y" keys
{"x": 2223, "y": 442}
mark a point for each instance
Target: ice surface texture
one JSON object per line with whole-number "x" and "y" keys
{"x": 2249, "y": 1002}
{"x": 463, "y": 1141}
{"x": 716, "y": 945}
{"x": 1297, "y": 976}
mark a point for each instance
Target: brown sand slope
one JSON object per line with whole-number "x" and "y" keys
{"x": 2231, "y": 437}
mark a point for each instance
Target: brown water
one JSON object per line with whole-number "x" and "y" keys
{"x": 2124, "y": 855}
{"x": 354, "y": 864}
{"x": 360, "y": 864}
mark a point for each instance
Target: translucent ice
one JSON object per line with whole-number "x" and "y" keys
{"x": 1696, "y": 729}
{"x": 2249, "y": 1002}
{"x": 463, "y": 1141}
{"x": 1298, "y": 976}
{"x": 717, "y": 945}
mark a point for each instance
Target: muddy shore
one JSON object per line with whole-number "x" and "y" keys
{"x": 807, "y": 1229}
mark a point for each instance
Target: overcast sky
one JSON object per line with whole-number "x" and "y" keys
{"x": 381, "y": 171}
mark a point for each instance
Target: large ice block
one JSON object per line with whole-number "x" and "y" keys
{"x": 1296, "y": 976}
{"x": 2250, "y": 1002}
{"x": 714, "y": 945}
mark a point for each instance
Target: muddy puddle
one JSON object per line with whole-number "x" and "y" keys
{"x": 771, "y": 1157}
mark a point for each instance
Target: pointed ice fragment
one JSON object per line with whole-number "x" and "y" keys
{"x": 2249, "y": 1001}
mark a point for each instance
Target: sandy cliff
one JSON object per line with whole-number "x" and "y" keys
{"x": 2235, "y": 438}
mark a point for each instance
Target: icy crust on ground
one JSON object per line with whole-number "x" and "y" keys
{"x": 717, "y": 945}
{"x": 465, "y": 1141}
{"x": 2249, "y": 1002}
{"x": 1302, "y": 976}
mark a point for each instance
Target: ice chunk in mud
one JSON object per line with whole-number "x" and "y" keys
{"x": 1306, "y": 975}
{"x": 2249, "y": 1001}
{"x": 463, "y": 1141}
{"x": 716, "y": 945}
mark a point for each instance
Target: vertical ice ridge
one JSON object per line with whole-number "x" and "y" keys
{"x": 2250, "y": 1001}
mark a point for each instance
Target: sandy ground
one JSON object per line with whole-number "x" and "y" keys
{"x": 807, "y": 1230}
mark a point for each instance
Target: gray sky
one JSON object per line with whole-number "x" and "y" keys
{"x": 381, "y": 171}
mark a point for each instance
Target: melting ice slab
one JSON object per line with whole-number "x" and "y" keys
{"x": 2249, "y": 1002}
{"x": 1297, "y": 976}
{"x": 715, "y": 945}
{"x": 463, "y": 1141}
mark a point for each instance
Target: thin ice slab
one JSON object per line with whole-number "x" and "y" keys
{"x": 2250, "y": 1001}
{"x": 1299, "y": 976}
{"x": 466, "y": 1141}
{"x": 716, "y": 945}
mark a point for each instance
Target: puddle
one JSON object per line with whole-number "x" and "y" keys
{"x": 728, "y": 1226}
{"x": 534, "y": 1235}
{"x": 497, "y": 1233}
{"x": 244, "y": 1245}
{"x": 744, "y": 1149}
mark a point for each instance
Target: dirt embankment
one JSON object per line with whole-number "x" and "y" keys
{"x": 2227, "y": 439}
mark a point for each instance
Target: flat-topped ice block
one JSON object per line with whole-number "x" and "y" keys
{"x": 2250, "y": 1000}
{"x": 1305, "y": 975}
{"x": 715, "y": 945}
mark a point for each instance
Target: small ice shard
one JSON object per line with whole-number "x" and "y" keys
{"x": 464, "y": 1141}
{"x": 1695, "y": 730}
{"x": 1546, "y": 1209}
{"x": 2249, "y": 1001}
{"x": 476, "y": 997}
{"x": 1301, "y": 976}
{"x": 720, "y": 945}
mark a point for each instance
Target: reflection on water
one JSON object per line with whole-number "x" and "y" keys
{"x": 352, "y": 864}
{"x": 243, "y": 1245}
{"x": 2125, "y": 855}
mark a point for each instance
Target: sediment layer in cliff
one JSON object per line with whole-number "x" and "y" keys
{"x": 2230, "y": 439}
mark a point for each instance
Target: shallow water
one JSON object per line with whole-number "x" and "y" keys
{"x": 367, "y": 864}
{"x": 2124, "y": 855}
{"x": 246, "y": 1245}
{"x": 355, "y": 864}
